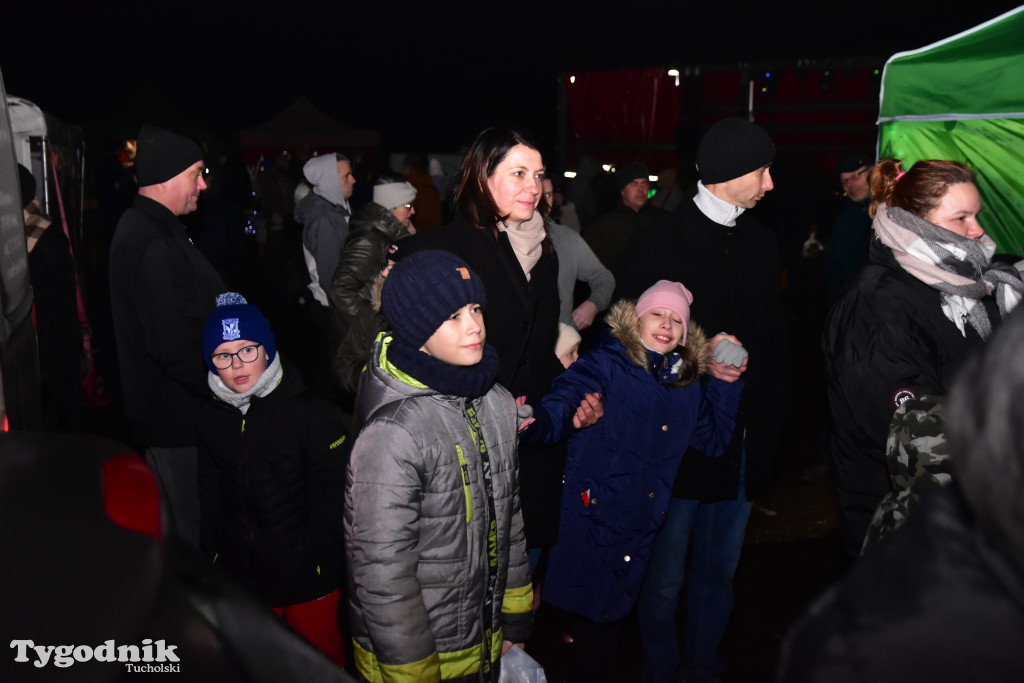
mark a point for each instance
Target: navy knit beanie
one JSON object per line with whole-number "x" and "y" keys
{"x": 160, "y": 155}
{"x": 423, "y": 290}
{"x": 232, "y": 319}
{"x": 731, "y": 148}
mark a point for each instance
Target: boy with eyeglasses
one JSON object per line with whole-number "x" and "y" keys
{"x": 272, "y": 461}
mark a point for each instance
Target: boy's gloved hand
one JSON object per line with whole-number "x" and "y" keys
{"x": 729, "y": 353}
{"x": 728, "y": 358}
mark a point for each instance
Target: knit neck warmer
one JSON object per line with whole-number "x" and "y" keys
{"x": 471, "y": 381}
{"x": 267, "y": 382}
{"x": 526, "y": 239}
{"x": 664, "y": 367}
{"x": 716, "y": 208}
{"x": 961, "y": 269}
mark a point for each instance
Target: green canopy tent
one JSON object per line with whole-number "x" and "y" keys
{"x": 962, "y": 98}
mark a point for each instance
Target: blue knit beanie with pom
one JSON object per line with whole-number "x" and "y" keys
{"x": 235, "y": 318}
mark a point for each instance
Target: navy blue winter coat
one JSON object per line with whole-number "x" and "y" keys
{"x": 619, "y": 473}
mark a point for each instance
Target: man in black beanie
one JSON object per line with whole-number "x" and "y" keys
{"x": 731, "y": 263}
{"x": 608, "y": 236}
{"x": 161, "y": 290}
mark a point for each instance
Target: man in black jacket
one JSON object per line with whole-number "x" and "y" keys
{"x": 730, "y": 262}
{"x": 612, "y": 232}
{"x": 161, "y": 290}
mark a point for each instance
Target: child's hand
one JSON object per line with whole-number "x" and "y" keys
{"x": 729, "y": 357}
{"x": 524, "y": 413}
{"x": 590, "y": 411}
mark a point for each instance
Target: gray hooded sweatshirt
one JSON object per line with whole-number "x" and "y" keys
{"x": 323, "y": 214}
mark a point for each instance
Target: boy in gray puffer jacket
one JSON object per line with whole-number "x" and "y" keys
{"x": 439, "y": 585}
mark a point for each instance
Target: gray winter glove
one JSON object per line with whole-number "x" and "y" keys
{"x": 524, "y": 413}
{"x": 730, "y": 353}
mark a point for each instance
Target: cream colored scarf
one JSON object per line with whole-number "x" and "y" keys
{"x": 526, "y": 239}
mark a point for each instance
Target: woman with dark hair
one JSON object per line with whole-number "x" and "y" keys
{"x": 499, "y": 232}
{"x": 929, "y": 294}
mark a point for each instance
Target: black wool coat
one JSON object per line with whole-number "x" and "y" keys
{"x": 735, "y": 277}
{"x": 521, "y": 317}
{"x": 161, "y": 290}
{"x": 886, "y": 340}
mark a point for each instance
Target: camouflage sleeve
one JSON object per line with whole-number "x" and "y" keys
{"x": 917, "y": 454}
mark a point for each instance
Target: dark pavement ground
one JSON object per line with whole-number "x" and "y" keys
{"x": 790, "y": 556}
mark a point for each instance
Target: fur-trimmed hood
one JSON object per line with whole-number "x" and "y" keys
{"x": 625, "y": 326}
{"x": 375, "y": 291}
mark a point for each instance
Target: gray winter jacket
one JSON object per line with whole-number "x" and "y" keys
{"x": 419, "y": 538}
{"x": 323, "y": 214}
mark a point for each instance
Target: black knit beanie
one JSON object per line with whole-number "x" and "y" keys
{"x": 423, "y": 290}
{"x": 160, "y": 155}
{"x": 627, "y": 173}
{"x": 731, "y": 148}
{"x": 851, "y": 162}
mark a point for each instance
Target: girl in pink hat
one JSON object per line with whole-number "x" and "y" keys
{"x": 659, "y": 401}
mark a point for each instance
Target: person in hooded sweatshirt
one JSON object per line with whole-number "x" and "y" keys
{"x": 323, "y": 214}
{"x": 271, "y": 476}
{"x": 439, "y": 583}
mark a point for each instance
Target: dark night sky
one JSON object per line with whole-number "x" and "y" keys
{"x": 428, "y": 75}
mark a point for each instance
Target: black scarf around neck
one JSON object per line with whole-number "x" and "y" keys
{"x": 471, "y": 381}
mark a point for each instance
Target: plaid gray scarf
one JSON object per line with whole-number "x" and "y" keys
{"x": 961, "y": 269}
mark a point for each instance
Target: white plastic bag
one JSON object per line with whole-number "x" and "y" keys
{"x": 519, "y": 667}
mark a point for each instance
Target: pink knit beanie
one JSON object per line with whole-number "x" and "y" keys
{"x": 667, "y": 294}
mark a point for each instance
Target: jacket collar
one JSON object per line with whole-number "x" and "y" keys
{"x": 158, "y": 212}
{"x": 625, "y": 328}
{"x": 373, "y": 216}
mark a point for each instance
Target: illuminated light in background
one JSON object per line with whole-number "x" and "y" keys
{"x": 569, "y": 174}
{"x": 825, "y": 82}
{"x": 674, "y": 72}
{"x": 572, "y": 79}
{"x": 652, "y": 178}
{"x": 607, "y": 168}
